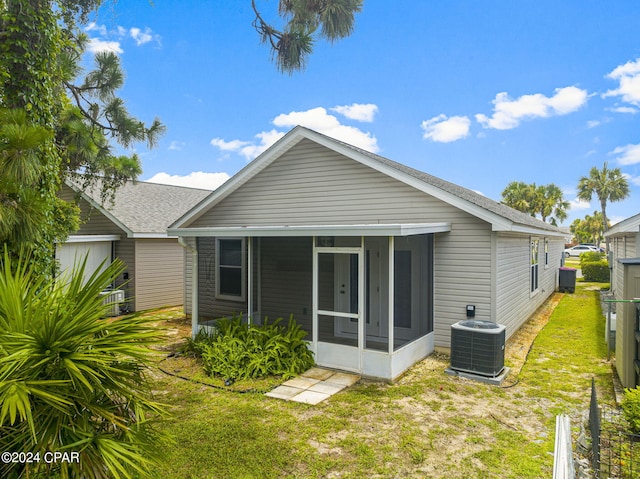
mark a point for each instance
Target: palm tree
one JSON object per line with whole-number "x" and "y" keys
{"x": 520, "y": 196}
{"x": 607, "y": 184}
{"x": 550, "y": 203}
{"x": 588, "y": 230}
{"x": 544, "y": 200}
{"x": 71, "y": 381}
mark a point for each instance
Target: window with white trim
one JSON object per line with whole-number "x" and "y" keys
{"x": 546, "y": 252}
{"x": 230, "y": 271}
{"x": 535, "y": 261}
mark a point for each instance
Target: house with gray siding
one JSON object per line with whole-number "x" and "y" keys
{"x": 133, "y": 227}
{"x": 624, "y": 261}
{"x": 375, "y": 260}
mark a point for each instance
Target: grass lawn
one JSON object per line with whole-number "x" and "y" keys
{"x": 426, "y": 425}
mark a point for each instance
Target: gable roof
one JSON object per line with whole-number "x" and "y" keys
{"x": 143, "y": 210}
{"x": 501, "y": 217}
{"x": 630, "y": 225}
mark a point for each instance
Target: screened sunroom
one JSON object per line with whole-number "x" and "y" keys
{"x": 365, "y": 301}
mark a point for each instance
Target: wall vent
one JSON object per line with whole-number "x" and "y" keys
{"x": 477, "y": 347}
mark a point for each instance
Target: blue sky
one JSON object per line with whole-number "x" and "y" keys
{"x": 476, "y": 93}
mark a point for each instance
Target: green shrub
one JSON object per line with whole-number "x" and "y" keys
{"x": 591, "y": 257}
{"x": 597, "y": 271}
{"x": 194, "y": 346}
{"x": 72, "y": 381}
{"x": 631, "y": 408}
{"x": 239, "y": 351}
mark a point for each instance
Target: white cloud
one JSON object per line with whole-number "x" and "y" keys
{"x": 508, "y": 113}
{"x": 141, "y": 37}
{"x": 110, "y": 40}
{"x": 627, "y": 155}
{"x": 196, "y": 179}
{"x": 94, "y": 27}
{"x": 267, "y": 138}
{"x": 628, "y": 76}
{"x": 316, "y": 119}
{"x": 357, "y": 111}
{"x": 176, "y": 145}
{"x": 634, "y": 179}
{"x": 96, "y": 45}
{"x": 577, "y": 204}
{"x": 445, "y": 130}
{"x": 615, "y": 219}
{"x": 624, "y": 109}
{"x": 232, "y": 145}
{"x": 319, "y": 120}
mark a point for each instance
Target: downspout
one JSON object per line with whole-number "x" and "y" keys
{"x": 194, "y": 284}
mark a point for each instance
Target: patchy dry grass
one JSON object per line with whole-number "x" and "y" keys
{"x": 426, "y": 425}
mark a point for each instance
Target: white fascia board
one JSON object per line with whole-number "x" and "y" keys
{"x": 101, "y": 209}
{"x": 149, "y": 235}
{"x": 91, "y": 238}
{"x": 630, "y": 225}
{"x": 240, "y": 178}
{"x": 537, "y": 231}
{"x": 315, "y": 230}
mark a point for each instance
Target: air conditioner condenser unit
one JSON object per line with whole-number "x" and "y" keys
{"x": 112, "y": 300}
{"x": 477, "y": 347}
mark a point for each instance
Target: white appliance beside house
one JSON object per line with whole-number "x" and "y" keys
{"x": 97, "y": 251}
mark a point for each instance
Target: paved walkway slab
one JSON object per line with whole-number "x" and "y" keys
{"x": 314, "y": 386}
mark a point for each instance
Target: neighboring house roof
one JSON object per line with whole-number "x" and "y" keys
{"x": 143, "y": 210}
{"x": 630, "y": 225}
{"x": 501, "y": 217}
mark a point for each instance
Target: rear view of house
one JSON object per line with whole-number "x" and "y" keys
{"x": 133, "y": 228}
{"x": 375, "y": 260}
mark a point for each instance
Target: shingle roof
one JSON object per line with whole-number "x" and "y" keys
{"x": 457, "y": 190}
{"x": 464, "y": 198}
{"x": 144, "y": 208}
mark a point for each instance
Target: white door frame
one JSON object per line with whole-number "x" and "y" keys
{"x": 350, "y": 363}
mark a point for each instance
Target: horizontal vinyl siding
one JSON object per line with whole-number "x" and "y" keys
{"x": 188, "y": 276}
{"x": 160, "y": 273}
{"x": 92, "y": 221}
{"x": 618, "y": 269}
{"x": 314, "y": 185}
{"x": 125, "y": 250}
{"x": 622, "y": 246}
{"x": 515, "y": 302}
{"x": 462, "y": 275}
{"x": 209, "y": 307}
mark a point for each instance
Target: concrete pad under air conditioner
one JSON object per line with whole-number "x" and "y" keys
{"x": 493, "y": 380}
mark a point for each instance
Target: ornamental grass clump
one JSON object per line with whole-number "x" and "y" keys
{"x": 72, "y": 381}
{"x": 240, "y": 351}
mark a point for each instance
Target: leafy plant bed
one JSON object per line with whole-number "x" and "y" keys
{"x": 190, "y": 368}
{"x": 235, "y": 350}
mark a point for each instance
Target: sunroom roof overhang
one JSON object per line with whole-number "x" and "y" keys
{"x": 398, "y": 229}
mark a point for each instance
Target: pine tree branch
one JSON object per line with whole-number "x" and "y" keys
{"x": 265, "y": 30}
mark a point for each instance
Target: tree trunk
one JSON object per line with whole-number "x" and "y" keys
{"x": 605, "y": 222}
